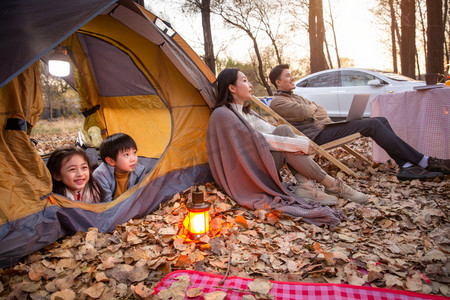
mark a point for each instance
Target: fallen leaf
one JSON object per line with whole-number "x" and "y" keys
{"x": 171, "y": 294}
{"x": 35, "y": 274}
{"x": 414, "y": 282}
{"x": 101, "y": 277}
{"x": 271, "y": 218}
{"x": 393, "y": 281}
{"x": 95, "y": 290}
{"x": 434, "y": 255}
{"x": 241, "y": 221}
{"x": 139, "y": 272}
{"x": 183, "y": 261}
{"x": 217, "y": 295}
{"x": 329, "y": 258}
{"x": 91, "y": 236}
{"x": 64, "y": 283}
{"x": 194, "y": 292}
{"x": 182, "y": 282}
{"x": 317, "y": 248}
{"x": 143, "y": 291}
{"x": 30, "y": 287}
{"x": 120, "y": 272}
{"x": 243, "y": 239}
{"x": 63, "y": 295}
{"x": 261, "y": 286}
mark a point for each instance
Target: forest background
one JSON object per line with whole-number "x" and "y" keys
{"x": 410, "y": 37}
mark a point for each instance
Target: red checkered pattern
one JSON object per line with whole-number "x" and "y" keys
{"x": 420, "y": 118}
{"x": 290, "y": 290}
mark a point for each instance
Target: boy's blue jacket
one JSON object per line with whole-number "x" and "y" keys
{"x": 104, "y": 175}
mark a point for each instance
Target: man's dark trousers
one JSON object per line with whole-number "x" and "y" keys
{"x": 380, "y": 131}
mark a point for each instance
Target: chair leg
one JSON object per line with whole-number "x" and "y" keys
{"x": 356, "y": 154}
{"x": 333, "y": 160}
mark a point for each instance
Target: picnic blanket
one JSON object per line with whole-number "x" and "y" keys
{"x": 241, "y": 163}
{"x": 237, "y": 287}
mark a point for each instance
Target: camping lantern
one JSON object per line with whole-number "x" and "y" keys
{"x": 58, "y": 63}
{"x": 197, "y": 220}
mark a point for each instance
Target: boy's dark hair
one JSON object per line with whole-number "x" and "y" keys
{"x": 276, "y": 73}
{"x": 54, "y": 165}
{"x": 115, "y": 143}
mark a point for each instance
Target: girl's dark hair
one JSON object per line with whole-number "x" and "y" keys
{"x": 114, "y": 143}
{"x": 225, "y": 78}
{"x": 54, "y": 165}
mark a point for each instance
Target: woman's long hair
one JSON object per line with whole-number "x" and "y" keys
{"x": 224, "y": 79}
{"x": 54, "y": 165}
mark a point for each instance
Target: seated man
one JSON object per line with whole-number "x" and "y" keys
{"x": 311, "y": 119}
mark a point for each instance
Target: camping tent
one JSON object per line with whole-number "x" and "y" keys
{"x": 133, "y": 74}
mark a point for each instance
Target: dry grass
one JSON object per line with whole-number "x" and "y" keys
{"x": 51, "y": 135}
{"x": 60, "y": 126}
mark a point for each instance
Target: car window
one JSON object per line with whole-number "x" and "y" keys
{"x": 397, "y": 77}
{"x": 329, "y": 79}
{"x": 356, "y": 78}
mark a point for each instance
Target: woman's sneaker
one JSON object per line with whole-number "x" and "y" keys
{"x": 311, "y": 193}
{"x": 342, "y": 190}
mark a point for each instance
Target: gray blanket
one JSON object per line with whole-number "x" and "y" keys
{"x": 241, "y": 163}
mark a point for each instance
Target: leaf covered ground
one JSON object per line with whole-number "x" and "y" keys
{"x": 400, "y": 240}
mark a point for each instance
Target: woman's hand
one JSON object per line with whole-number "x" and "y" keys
{"x": 311, "y": 149}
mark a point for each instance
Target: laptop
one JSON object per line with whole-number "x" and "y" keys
{"x": 356, "y": 110}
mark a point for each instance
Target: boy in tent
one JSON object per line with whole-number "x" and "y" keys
{"x": 120, "y": 169}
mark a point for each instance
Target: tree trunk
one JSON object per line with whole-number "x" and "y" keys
{"x": 408, "y": 42}
{"x": 446, "y": 35}
{"x": 435, "y": 34}
{"x": 424, "y": 32}
{"x": 277, "y": 51}
{"x": 393, "y": 40}
{"x": 338, "y": 59}
{"x": 50, "y": 103}
{"x": 207, "y": 35}
{"x": 263, "y": 11}
{"x": 260, "y": 65}
{"x": 418, "y": 65}
{"x": 316, "y": 34}
{"x": 327, "y": 47}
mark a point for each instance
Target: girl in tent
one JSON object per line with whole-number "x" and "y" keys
{"x": 244, "y": 157}
{"x": 72, "y": 175}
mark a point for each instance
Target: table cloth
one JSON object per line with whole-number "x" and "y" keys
{"x": 419, "y": 117}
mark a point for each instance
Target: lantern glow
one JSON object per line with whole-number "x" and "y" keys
{"x": 59, "y": 64}
{"x": 197, "y": 220}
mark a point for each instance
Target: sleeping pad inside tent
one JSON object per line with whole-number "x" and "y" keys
{"x": 133, "y": 74}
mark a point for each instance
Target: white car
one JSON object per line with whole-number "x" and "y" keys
{"x": 334, "y": 89}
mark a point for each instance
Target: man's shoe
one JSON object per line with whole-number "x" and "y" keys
{"x": 344, "y": 191}
{"x": 438, "y": 165}
{"x": 416, "y": 172}
{"x": 311, "y": 193}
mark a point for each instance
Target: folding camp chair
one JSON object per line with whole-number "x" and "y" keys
{"x": 323, "y": 149}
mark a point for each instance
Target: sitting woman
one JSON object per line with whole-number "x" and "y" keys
{"x": 245, "y": 154}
